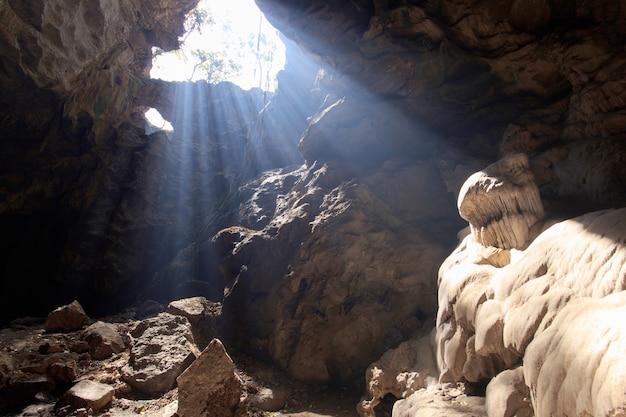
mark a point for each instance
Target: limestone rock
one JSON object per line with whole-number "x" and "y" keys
{"x": 270, "y": 399}
{"x": 399, "y": 372}
{"x": 501, "y": 203}
{"x": 210, "y": 387}
{"x": 570, "y": 376}
{"x": 435, "y": 402}
{"x": 508, "y": 396}
{"x": 162, "y": 348}
{"x": 104, "y": 340}
{"x": 192, "y": 308}
{"x": 489, "y": 317}
{"x": 339, "y": 270}
{"x": 86, "y": 394}
{"x": 67, "y": 318}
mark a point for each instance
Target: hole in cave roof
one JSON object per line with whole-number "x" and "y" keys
{"x": 226, "y": 41}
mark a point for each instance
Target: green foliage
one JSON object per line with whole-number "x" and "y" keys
{"x": 215, "y": 66}
{"x": 238, "y": 53}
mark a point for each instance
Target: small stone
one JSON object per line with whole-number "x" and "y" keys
{"x": 87, "y": 395}
{"x": 103, "y": 339}
{"x": 64, "y": 372}
{"x": 193, "y": 308}
{"x": 268, "y": 399}
{"x": 66, "y": 318}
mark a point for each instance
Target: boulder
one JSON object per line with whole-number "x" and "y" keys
{"x": 104, "y": 340}
{"x": 66, "y": 318}
{"x": 162, "y": 348}
{"x": 210, "y": 387}
{"x": 334, "y": 272}
{"x": 86, "y": 394}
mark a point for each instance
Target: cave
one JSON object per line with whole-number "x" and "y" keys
{"x": 427, "y": 215}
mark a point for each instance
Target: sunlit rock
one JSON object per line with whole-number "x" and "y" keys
{"x": 508, "y": 396}
{"x": 85, "y": 394}
{"x": 334, "y": 270}
{"x": 490, "y": 317}
{"x": 439, "y": 401}
{"x": 210, "y": 387}
{"x": 568, "y": 376}
{"x": 501, "y": 203}
{"x": 192, "y": 308}
{"x": 270, "y": 399}
{"x": 399, "y": 372}
{"x": 162, "y": 348}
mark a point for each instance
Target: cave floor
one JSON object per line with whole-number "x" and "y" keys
{"x": 22, "y": 345}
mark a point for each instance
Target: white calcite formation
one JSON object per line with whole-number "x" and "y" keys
{"x": 541, "y": 326}
{"x": 501, "y": 203}
{"x": 569, "y": 281}
{"x": 400, "y": 372}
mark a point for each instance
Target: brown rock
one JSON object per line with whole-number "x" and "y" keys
{"x": 66, "y": 318}
{"x": 163, "y": 347}
{"x": 193, "y": 308}
{"x": 103, "y": 339}
{"x": 530, "y": 15}
{"x": 64, "y": 371}
{"x": 210, "y": 387}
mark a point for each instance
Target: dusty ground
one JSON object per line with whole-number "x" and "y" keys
{"x": 23, "y": 341}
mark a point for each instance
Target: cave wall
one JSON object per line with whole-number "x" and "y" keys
{"x": 95, "y": 203}
{"x": 392, "y": 105}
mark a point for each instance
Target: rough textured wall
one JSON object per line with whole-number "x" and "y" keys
{"x": 91, "y": 205}
{"x": 542, "y": 77}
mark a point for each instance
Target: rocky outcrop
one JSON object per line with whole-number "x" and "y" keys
{"x": 325, "y": 273}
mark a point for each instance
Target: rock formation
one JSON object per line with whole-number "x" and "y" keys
{"x": 210, "y": 387}
{"x": 162, "y": 348}
{"x": 320, "y": 218}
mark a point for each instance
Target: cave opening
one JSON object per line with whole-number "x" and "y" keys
{"x": 223, "y": 41}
